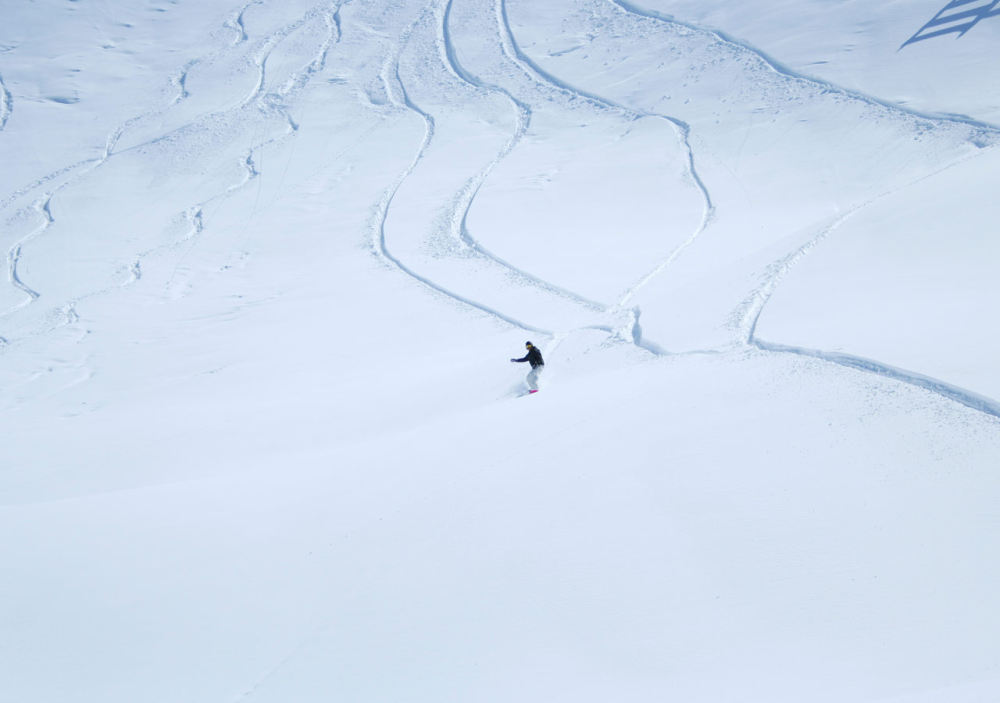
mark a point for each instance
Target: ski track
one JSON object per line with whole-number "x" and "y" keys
{"x": 786, "y": 72}
{"x": 6, "y": 104}
{"x": 195, "y": 213}
{"x": 630, "y": 330}
{"x": 14, "y": 255}
{"x": 754, "y": 308}
{"x": 237, "y": 23}
{"x": 85, "y": 164}
{"x": 180, "y": 81}
{"x": 683, "y": 131}
{"x": 400, "y": 100}
{"x": 238, "y": 27}
{"x": 263, "y": 101}
{"x": 523, "y": 114}
{"x": 965, "y": 397}
{"x": 982, "y": 135}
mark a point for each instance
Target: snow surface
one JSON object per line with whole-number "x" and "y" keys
{"x": 266, "y": 263}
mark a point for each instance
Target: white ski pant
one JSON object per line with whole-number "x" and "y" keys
{"x": 532, "y": 378}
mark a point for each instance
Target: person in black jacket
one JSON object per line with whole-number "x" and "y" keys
{"x": 533, "y": 357}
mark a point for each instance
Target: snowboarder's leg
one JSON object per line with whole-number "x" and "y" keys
{"x": 532, "y": 379}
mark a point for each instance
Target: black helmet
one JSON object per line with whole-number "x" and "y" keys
{"x": 528, "y": 344}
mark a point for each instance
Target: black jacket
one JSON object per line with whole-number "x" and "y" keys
{"x": 533, "y": 357}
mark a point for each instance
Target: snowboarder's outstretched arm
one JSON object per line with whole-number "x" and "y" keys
{"x": 534, "y": 357}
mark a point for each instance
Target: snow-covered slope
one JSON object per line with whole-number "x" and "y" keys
{"x": 266, "y": 263}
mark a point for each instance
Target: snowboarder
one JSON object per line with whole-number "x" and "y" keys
{"x": 533, "y": 357}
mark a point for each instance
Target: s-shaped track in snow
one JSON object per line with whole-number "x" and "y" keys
{"x": 518, "y": 81}
{"x": 981, "y": 135}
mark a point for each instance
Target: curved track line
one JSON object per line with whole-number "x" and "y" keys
{"x": 111, "y": 141}
{"x": 683, "y": 131}
{"x": 36, "y": 184}
{"x": 399, "y": 99}
{"x": 468, "y": 194}
{"x": 6, "y": 104}
{"x": 181, "y": 82}
{"x": 753, "y": 308}
{"x": 982, "y": 136}
{"x": 782, "y": 70}
{"x": 779, "y": 269}
{"x": 237, "y": 23}
{"x": 194, "y": 213}
{"x": 295, "y": 83}
{"x": 959, "y": 395}
{"x": 273, "y": 40}
{"x": 14, "y": 255}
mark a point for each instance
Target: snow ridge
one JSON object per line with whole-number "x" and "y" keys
{"x": 6, "y": 104}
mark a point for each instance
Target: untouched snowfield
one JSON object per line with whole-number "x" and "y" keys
{"x": 266, "y": 263}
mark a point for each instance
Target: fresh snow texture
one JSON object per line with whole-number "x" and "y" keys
{"x": 266, "y": 263}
